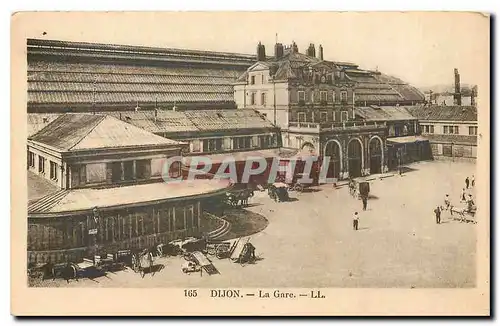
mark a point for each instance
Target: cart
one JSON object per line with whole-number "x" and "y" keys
{"x": 220, "y": 250}
{"x": 201, "y": 260}
{"x": 278, "y": 192}
{"x": 298, "y": 185}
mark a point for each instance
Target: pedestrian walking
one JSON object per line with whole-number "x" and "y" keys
{"x": 447, "y": 201}
{"x": 365, "y": 202}
{"x": 462, "y": 196}
{"x": 437, "y": 211}
{"x": 355, "y": 221}
{"x": 467, "y": 182}
{"x": 473, "y": 183}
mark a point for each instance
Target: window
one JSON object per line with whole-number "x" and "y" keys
{"x": 31, "y": 159}
{"x": 41, "y": 164}
{"x": 323, "y": 95}
{"x": 431, "y": 129}
{"x": 175, "y": 169}
{"x": 323, "y": 116}
{"x": 252, "y": 99}
{"x": 456, "y": 130}
{"x": 262, "y": 79}
{"x": 264, "y": 141}
{"x": 472, "y": 130}
{"x": 179, "y": 218}
{"x": 53, "y": 171}
{"x": 333, "y": 96}
{"x": 241, "y": 142}
{"x": 143, "y": 169}
{"x": 252, "y": 80}
{"x": 344, "y": 116}
{"x": 302, "y": 96}
{"x": 301, "y": 117}
{"x": 128, "y": 170}
{"x": 116, "y": 171}
{"x": 263, "y": 99}
{"x": 196, "y": 145}
{"x": 343, "y": 96}
{"x": 445, "y": 129}
{"x": 212, "y": 145}
{"x": 428, "y": 129}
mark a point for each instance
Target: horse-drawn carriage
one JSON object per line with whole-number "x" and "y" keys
{"x": 278, "y": 192}
{"x": 239, "y": 197}
{"x": 465, "y": 213}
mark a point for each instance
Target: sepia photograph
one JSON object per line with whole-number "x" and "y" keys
{"x": 271, "y": 156}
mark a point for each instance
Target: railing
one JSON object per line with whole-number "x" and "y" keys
{"x": 338, "y": 125}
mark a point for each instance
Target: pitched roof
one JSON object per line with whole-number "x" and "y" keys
{"x": 444, "y": 112}
{"x": 168, "y": 121}
{"x": 72, "y": 132}
{"x": 370, "y": 86}
{"x": 384, "y": 113}
{"x": 37, "y": 122}
{"x": 86, "y": 199}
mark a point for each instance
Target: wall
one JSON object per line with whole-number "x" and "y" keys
{"x": 463, "y": 126}
{"x": 49, "y": 156}
{"x": 242, "y": 96}
{"x": 60, "y": 239}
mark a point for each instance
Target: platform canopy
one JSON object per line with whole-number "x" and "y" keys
{"x": 406, "y": 139}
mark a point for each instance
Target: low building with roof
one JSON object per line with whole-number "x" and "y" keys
{"x": 107, "y": 189}
{"x": 404, "y": 143}
{"x": 451, "y": 130}
{"x": 95, "y": 150}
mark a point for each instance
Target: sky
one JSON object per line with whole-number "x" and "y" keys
{"x": 421, "y": 48}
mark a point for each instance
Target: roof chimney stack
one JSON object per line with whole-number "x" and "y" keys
{"x": 457, "y": 96}
{"x": 320, "y": 52}
{"x": 261, "y": 52}
{"x": 295, "y": 48}
{"x": 311, "y": 51}
{"x": 473, "y": 96}
{"x": 278, "y": 51}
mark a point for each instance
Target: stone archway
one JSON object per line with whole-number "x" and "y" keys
{"x": 355, "y": 158}
{"x": 333, "y": 150}
{"x": 307, "y": 146}
{"x": 376, "y": 155}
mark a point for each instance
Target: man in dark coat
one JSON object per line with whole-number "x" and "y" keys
{"x": 437, "y": 211}
{"x": 365, "y": 202}
{"x": 467, "y": 182}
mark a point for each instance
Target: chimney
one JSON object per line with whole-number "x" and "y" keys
{"x": 311, "y": 51}
{"x": 261, "y": 52}
{"x": 457, "y": 95}
{"x": 278, "y": 51}
{"x": 295, "y": 48}
{"x": 320, "y": 52}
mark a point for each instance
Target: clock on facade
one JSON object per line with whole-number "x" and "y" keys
{"x": 323, "y": 79}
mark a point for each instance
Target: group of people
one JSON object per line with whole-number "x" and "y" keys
{"x": 464, "y": 198}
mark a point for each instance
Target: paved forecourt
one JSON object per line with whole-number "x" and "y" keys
{"x": 310, "y": 241}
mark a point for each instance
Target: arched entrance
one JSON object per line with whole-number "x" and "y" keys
{"x": 375, "y": 146}
{"x": 308, "y": 147}
{"x": 333, "y": 152}
{"x": 355, "y": 157}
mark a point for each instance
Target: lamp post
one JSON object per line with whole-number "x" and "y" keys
{"x": 93, "y": 232}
